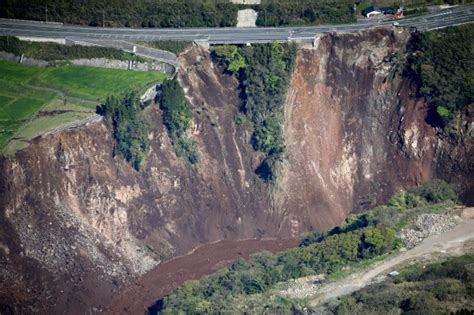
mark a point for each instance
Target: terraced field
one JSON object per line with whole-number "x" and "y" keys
{"x": 34, "y": 100}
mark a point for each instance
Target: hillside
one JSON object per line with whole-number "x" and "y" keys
{"x": 343, "y": 123}
{"x": 372, "y": 242}
{"x": 35, "y": 99}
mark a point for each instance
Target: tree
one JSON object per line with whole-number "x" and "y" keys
{"x": 130, "y": 131}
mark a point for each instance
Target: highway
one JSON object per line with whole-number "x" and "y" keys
{"x": 453, "y": 16}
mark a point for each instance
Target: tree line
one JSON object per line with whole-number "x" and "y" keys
{"x": 177, "y": 13}
{"x": 442, "y": 63}
{"x": 53, "y": 51}
{"x": 177, "y": 117}
{"x": 139, "y": 13}
{"x": 305, "y": 12}
{"x": 264, "y": 72}
{"x": 361, "y": 237}
{"x": 130, "y": 130}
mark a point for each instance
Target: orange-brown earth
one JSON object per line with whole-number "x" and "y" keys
{"x": 79, "y": 225}
{"x": 206, "y": 259}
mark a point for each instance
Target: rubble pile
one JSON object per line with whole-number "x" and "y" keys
{"x": 428, "y": 224}
{"x": 302, "y": 288}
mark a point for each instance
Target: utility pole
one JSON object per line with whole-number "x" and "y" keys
{"x": 103, "y": 18}
{"x": 46, "y": 13}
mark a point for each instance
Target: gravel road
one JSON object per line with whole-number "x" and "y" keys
{"x": 450, "y": 242}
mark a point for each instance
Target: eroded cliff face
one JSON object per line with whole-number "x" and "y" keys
{"x": 78, "y": 224}
{"x": 356, "y": 132}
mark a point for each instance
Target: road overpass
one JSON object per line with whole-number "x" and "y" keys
{"x": 122, "y": 38}
{"x": 452, "y": 16}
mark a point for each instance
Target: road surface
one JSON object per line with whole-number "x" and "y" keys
{"x": 452, "y": 16}
{"x": 449, "y": 242}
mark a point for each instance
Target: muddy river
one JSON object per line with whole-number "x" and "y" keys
{"x": 202, "y": 261}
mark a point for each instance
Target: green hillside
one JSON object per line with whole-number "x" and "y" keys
{"x": 62, "y": 94}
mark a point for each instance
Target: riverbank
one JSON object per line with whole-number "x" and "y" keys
{"x": 200, "y": 262}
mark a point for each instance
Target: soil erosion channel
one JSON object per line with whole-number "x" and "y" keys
{"x": 204, "y": 260}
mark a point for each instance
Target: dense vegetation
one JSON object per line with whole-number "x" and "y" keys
{"x": 444, "y": 65}
{"x": 145, "y": 13}
{"x": 361, "y": 237}
{"x": 176, "y": 47}
{"x": 130, "y": 130}
{"x": 400, "y": 211}
{"x": 264, "y": 72}
{"x": 54, "y": 51}
{"x": 177, "y": 117}
{"x": 305, "y": 12}
{"x": 445, "y": 287}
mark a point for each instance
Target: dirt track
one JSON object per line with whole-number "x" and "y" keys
{"x": 451, "y": 242}
{"x": 204, "y": 260}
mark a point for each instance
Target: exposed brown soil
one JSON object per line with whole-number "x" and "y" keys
{"x": 206, "y": 259}
{"x": 79, "y": 224}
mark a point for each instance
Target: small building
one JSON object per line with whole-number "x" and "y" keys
{"x": 371, "y": 11}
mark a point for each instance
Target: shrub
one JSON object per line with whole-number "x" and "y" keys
{"x": 405, "y": 200}
{"x": 443, "y": 66}
{"x": 231, "y": 56}
{"x": 177, "y": 117}
{"x": 130, "y": 131}
{"x": 263, "y": 71}
{"x": 177, "y": 114}
{"x": 53, "y": 51}
{"x": 435, "y": 191}
{"x": 175, "y": 47}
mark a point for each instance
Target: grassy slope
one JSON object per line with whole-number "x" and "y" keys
{"x": 72, "y": 90}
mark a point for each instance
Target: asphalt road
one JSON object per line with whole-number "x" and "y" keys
{"x": 453, "y": 16}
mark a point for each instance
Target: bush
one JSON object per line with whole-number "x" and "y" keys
{"x": 54, "y": 51}
{"x": 435, "y": 191}
{"x": 175, "y": 47}
{"x": 187, "y": 149}
{"x": 231, "y": 56}
{"x": 443, "y": 66}
{"x": 405, "y": 200}
{"x": 177, "y": 117}
{"x": 130, "y": 130}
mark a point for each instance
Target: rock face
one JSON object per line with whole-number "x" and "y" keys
{"x": 356, "y": 131}
{"x": 79, "y": 224}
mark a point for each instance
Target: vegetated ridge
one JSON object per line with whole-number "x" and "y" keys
{"x": 80, "y": 223}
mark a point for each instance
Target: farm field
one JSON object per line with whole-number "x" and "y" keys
{"x": 34, "y": 100}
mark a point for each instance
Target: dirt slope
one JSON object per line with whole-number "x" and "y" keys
{"x": 355, "y": 135}
{"x": 79, "y": 224}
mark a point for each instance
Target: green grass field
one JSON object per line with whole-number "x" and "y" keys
{"x": 63, "y": 94}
